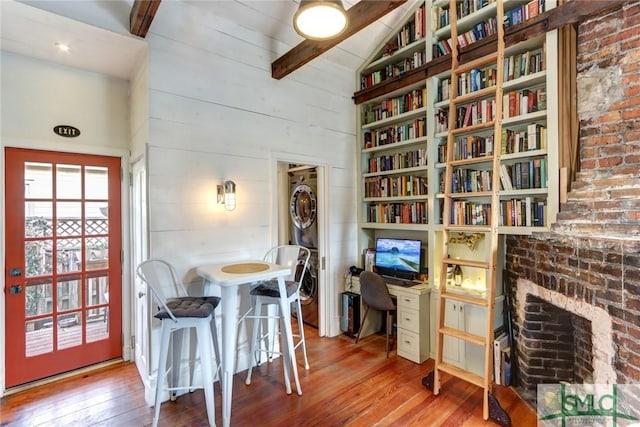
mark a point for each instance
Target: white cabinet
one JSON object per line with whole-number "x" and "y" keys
{"x": 469, "y": 318}
{"x": 412, "y": 318}
{"x": 413, "y": 322}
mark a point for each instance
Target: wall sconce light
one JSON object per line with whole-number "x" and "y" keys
{"x": 320, "y": 19}
{"x": 227, "y": 195}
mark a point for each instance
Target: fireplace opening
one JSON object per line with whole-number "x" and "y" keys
{"x": 554, "y": 345}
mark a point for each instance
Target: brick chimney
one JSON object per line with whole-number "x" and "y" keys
{"x": 589, "y": 263}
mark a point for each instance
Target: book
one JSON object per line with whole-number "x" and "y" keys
{"x": 505, "y": 365}
{"x": 498, "y": 344}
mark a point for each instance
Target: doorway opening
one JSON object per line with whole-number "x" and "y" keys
{"x": 300, "y": 214}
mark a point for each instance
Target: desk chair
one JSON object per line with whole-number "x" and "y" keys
{"x": 177, "y": 311}
{"x": 296, "y": 258}
{"x": 375, "y": 294}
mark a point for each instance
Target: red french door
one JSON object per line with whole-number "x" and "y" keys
{"x": 63, "y": 271}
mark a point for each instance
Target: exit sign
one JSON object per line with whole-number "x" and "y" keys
{"x": 66, "y": 131}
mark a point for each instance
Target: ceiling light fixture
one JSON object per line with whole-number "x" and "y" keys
{"x": 63, "y": 47}
{"x": 320, "y": 19}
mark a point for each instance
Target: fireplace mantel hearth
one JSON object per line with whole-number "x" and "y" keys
{"x": 603, "y": 351}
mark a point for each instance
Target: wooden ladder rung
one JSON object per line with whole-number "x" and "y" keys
{"x": 482, "y": 93}
{"x": 481, "y": 302}
{"x": 462, "y": 374}
{"x": 466, "y": 263}
{"x": 472, "y": 128}
{"x": 477, "y": 63}
{"x": 466, "y": 336}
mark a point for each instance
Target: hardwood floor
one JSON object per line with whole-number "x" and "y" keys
{"x": 347, "y": 385}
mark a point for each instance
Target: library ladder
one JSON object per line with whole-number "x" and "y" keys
{"x": 454, "y": 225}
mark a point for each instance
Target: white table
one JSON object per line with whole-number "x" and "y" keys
{"x": 230, "y": 276}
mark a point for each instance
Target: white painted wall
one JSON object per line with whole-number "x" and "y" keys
{"x": 38, "y": 95}
{"x": 216, "y": 113}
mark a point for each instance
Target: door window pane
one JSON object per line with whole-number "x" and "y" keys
{"x": 69, "y": 255}
{"x": 96, "y": 183}
{"x": 96, "y": 218}
{"x": 37, "y": 255}
{"x": 69, "y": 330}
{"x": 68, "y": 181}
{"x": 69, "y": 294}
{"x": 97, "y": 253}
{"x": 38, "y": 336}
{"x": 97, "y": 290}
{"x": 38, "y": 298}
{"x": 69, "y": 219}
{"x": 97, "y": 324}
{"x": 38, "y": 181}
{"x": 38, "y": 217}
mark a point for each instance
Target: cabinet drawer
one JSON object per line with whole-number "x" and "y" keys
{"x": 408, "y": 343}
{"x": 409, "y": 319}
{"x": 408, "y": 301}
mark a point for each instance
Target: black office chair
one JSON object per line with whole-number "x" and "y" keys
{"x": 375, "y": 295}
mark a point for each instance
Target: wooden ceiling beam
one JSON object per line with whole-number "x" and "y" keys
{"x": 141, "y": 16}
{"x": 359, "y": 16}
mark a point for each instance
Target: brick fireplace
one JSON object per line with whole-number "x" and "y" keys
{"x": 577, "y": 288}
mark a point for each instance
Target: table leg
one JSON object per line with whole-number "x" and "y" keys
{"x": 230, "y": 309}
{"x": 285, "y": 310}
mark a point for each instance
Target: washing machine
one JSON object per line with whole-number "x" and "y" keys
{"x": 309, "y": 290}
{"x": 303, "y": 210}
{"x": 303, "y": 207}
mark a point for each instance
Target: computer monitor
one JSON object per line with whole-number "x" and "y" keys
{"x": 398, "y": 257}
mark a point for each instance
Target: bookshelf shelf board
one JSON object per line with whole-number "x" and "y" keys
{"x": 524, "y": 192}
{"x": 405, "y": 143}
{"x": 523, "y": 154}
{"x": 473, "y": 96}
{"x": 395, "y": 56}
{"x": 396, "y": 119}
{"x": 471, "y": 194}
{"x": 472, "y": 128}
{"x": 395, "y": 199}
{"x": 466, "y": 23}
{"x": 503, "y": 229}
{"x": 442, "y": 105}
{"x": 468, "y": 228}
{"x": 524, "y": 118}
{"x": 441, "y": 3}
{"x": 530, "y": 80}
{"x": 442, "y": 134}
{"x": 472, "y": 161}
{"x": 442, "y": 33}
{"x": 528, "y": 44}
{"x": 394, "y": 226}
{"x": 403, "y": 171}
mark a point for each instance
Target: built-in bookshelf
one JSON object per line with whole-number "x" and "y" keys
{"x": 394, "y": 160}
{"x": 416, "y": 148}
{"x": 402, "y": 52}
{"x": 528, "y": 165}
{"x": 393, "y": 135}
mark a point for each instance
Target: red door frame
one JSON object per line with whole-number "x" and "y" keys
{"x": 18, "y": 368}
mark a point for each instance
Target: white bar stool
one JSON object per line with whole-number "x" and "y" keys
{"x": 267, "y": 293}
{"x": 176, "y": 315}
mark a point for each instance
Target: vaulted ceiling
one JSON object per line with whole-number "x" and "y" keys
{"x": 32, "y": 27}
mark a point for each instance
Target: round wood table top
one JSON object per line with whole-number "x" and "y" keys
{"x": 243, "y": 268}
